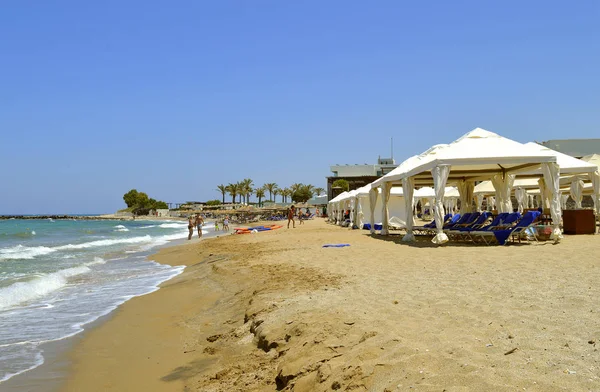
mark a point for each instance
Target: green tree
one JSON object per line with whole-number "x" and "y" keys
{"x": 276, "y": 191}
{"x": 213, "y": 202}
{"x": 271, "y": 186}
{"x": 130, "y": 198}
{"x": 302, "y": 194}
{"x": 233, "y": 191}
{"x": 260, "y": 193}
{"x": 247, "y": 190}
{"x": 319, "y": 191}
{"x": 223, "y": 189}
{"x": 342, "y": 184}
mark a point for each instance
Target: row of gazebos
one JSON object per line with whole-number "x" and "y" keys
{"x": 501, "y": 167}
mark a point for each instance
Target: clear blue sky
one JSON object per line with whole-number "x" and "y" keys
{"x": 174, "y": 98}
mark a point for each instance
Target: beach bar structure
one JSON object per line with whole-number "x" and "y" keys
{"x": 476, "y": 156}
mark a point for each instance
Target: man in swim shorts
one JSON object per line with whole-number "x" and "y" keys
{"x": 199, "y": 223}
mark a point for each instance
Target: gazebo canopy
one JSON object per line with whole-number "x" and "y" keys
{"x": 478, "y": 155}
{"x": 475, "y": 156}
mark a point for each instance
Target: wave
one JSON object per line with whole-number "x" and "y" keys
{"x": 121, "y": 228}
{"x": 26, "y": 291}
{"x": 98, "y": 243}
{"x": 146, "y": 227}
{"x": 21, "y": 252}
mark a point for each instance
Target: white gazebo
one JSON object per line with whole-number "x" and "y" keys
{"x": 476, "y": 156}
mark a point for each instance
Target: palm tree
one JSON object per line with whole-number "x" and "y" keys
{"x": 260, "y": 193}
{"x": 319, "y": 191}
{"x": 295, "y": 187}
{"x": 287, "y": 192}
{"x": 223, "y": 189}
{"x": 233, "y": 191}
{"x": 276, "y": 191}
{"x": 270, "y": 187}
{"x": 247, "y": 189}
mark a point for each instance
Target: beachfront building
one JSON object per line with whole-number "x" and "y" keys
{"x": 358, "y": 175}
{"x": 576, "y": 148}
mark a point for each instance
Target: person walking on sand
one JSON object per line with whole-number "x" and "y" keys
{"x": 226, "y": 224}
{"x": 199, "y": 223}
{"x": 300, "y": 216}
{"x": 191, "y": 227}
{"x": 291, "y": 213}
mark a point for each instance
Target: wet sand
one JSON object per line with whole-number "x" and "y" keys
{"x": 276, "y": 311}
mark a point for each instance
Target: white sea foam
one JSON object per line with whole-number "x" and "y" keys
{"x": 21, "y": 252}
{"x": 173, "y": 225}
{"x": 94, "y": 244}
{"x": 146, "y": 227}
{"x": 121, "y": 228}
{"x": 32, "y": 232}
{"x": 26, "y": 291}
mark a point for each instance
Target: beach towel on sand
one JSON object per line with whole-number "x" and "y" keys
{"x": 335, "y": 245}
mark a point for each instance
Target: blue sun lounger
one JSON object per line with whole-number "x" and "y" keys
{"x": 503, "y": 221}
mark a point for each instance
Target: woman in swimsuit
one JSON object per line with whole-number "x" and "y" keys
{"x": 291, "y": 213}
{"x": 191, "y": 227}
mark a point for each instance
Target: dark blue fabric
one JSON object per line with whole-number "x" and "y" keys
{"x": 378, "y": 227}
{"x": 366, "y": 226}
{"x": 482, "y": 218}
{"x": 528, "y": 219}
{"x": 335, "y": 245}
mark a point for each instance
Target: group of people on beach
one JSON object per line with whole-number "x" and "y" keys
{"x": 195, "y": 222}
{"x": 291, "y": 213}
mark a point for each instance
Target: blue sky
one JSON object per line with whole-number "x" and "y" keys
{"x": 174, "y": 98}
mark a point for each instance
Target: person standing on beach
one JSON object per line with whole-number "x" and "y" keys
{"x": 226, "y": 224}
{"x": 191, "y": 227}
{"x": 199, "y": 223}
{"x": 291, "y": 213}
{"x": 300, "y": 216}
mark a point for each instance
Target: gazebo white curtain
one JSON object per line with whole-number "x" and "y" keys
{"x": 408, "y": 187}
{"x": 563, "y": 200}
{"x": 479, "y": 200}
{"x": 577, "y": 191}
{"x": 543, "y": 200}
{"x": 352, "y": 213}
{"x": 521, "y": 196}
{"x": 385, "y": 215}
{"x": 596, "y": 196}
{"x": 551, "y": 173}
{"x": 503, "y": 184}
{"x": 465, "y": 190}
{"x": 491, "y": 202}
{"x": 440, "y": 177}
{"x": 372, "y": 201}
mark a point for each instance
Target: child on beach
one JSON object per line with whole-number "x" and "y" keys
{"x": 216, "y": 225}
{"x": 300, "y": 216}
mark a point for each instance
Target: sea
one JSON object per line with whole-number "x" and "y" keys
{"x": 57, "y": 276}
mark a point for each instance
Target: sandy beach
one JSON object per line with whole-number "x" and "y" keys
{"x": 277, "y": 311}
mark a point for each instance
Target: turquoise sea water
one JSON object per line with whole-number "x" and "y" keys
{"x": 58, "y": 276}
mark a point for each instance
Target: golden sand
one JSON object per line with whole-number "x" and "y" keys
{"x": 275, "y": 310}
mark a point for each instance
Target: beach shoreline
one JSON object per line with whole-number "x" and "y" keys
{"x": 49, "y": 376}
{"x": 276, "y": 311}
